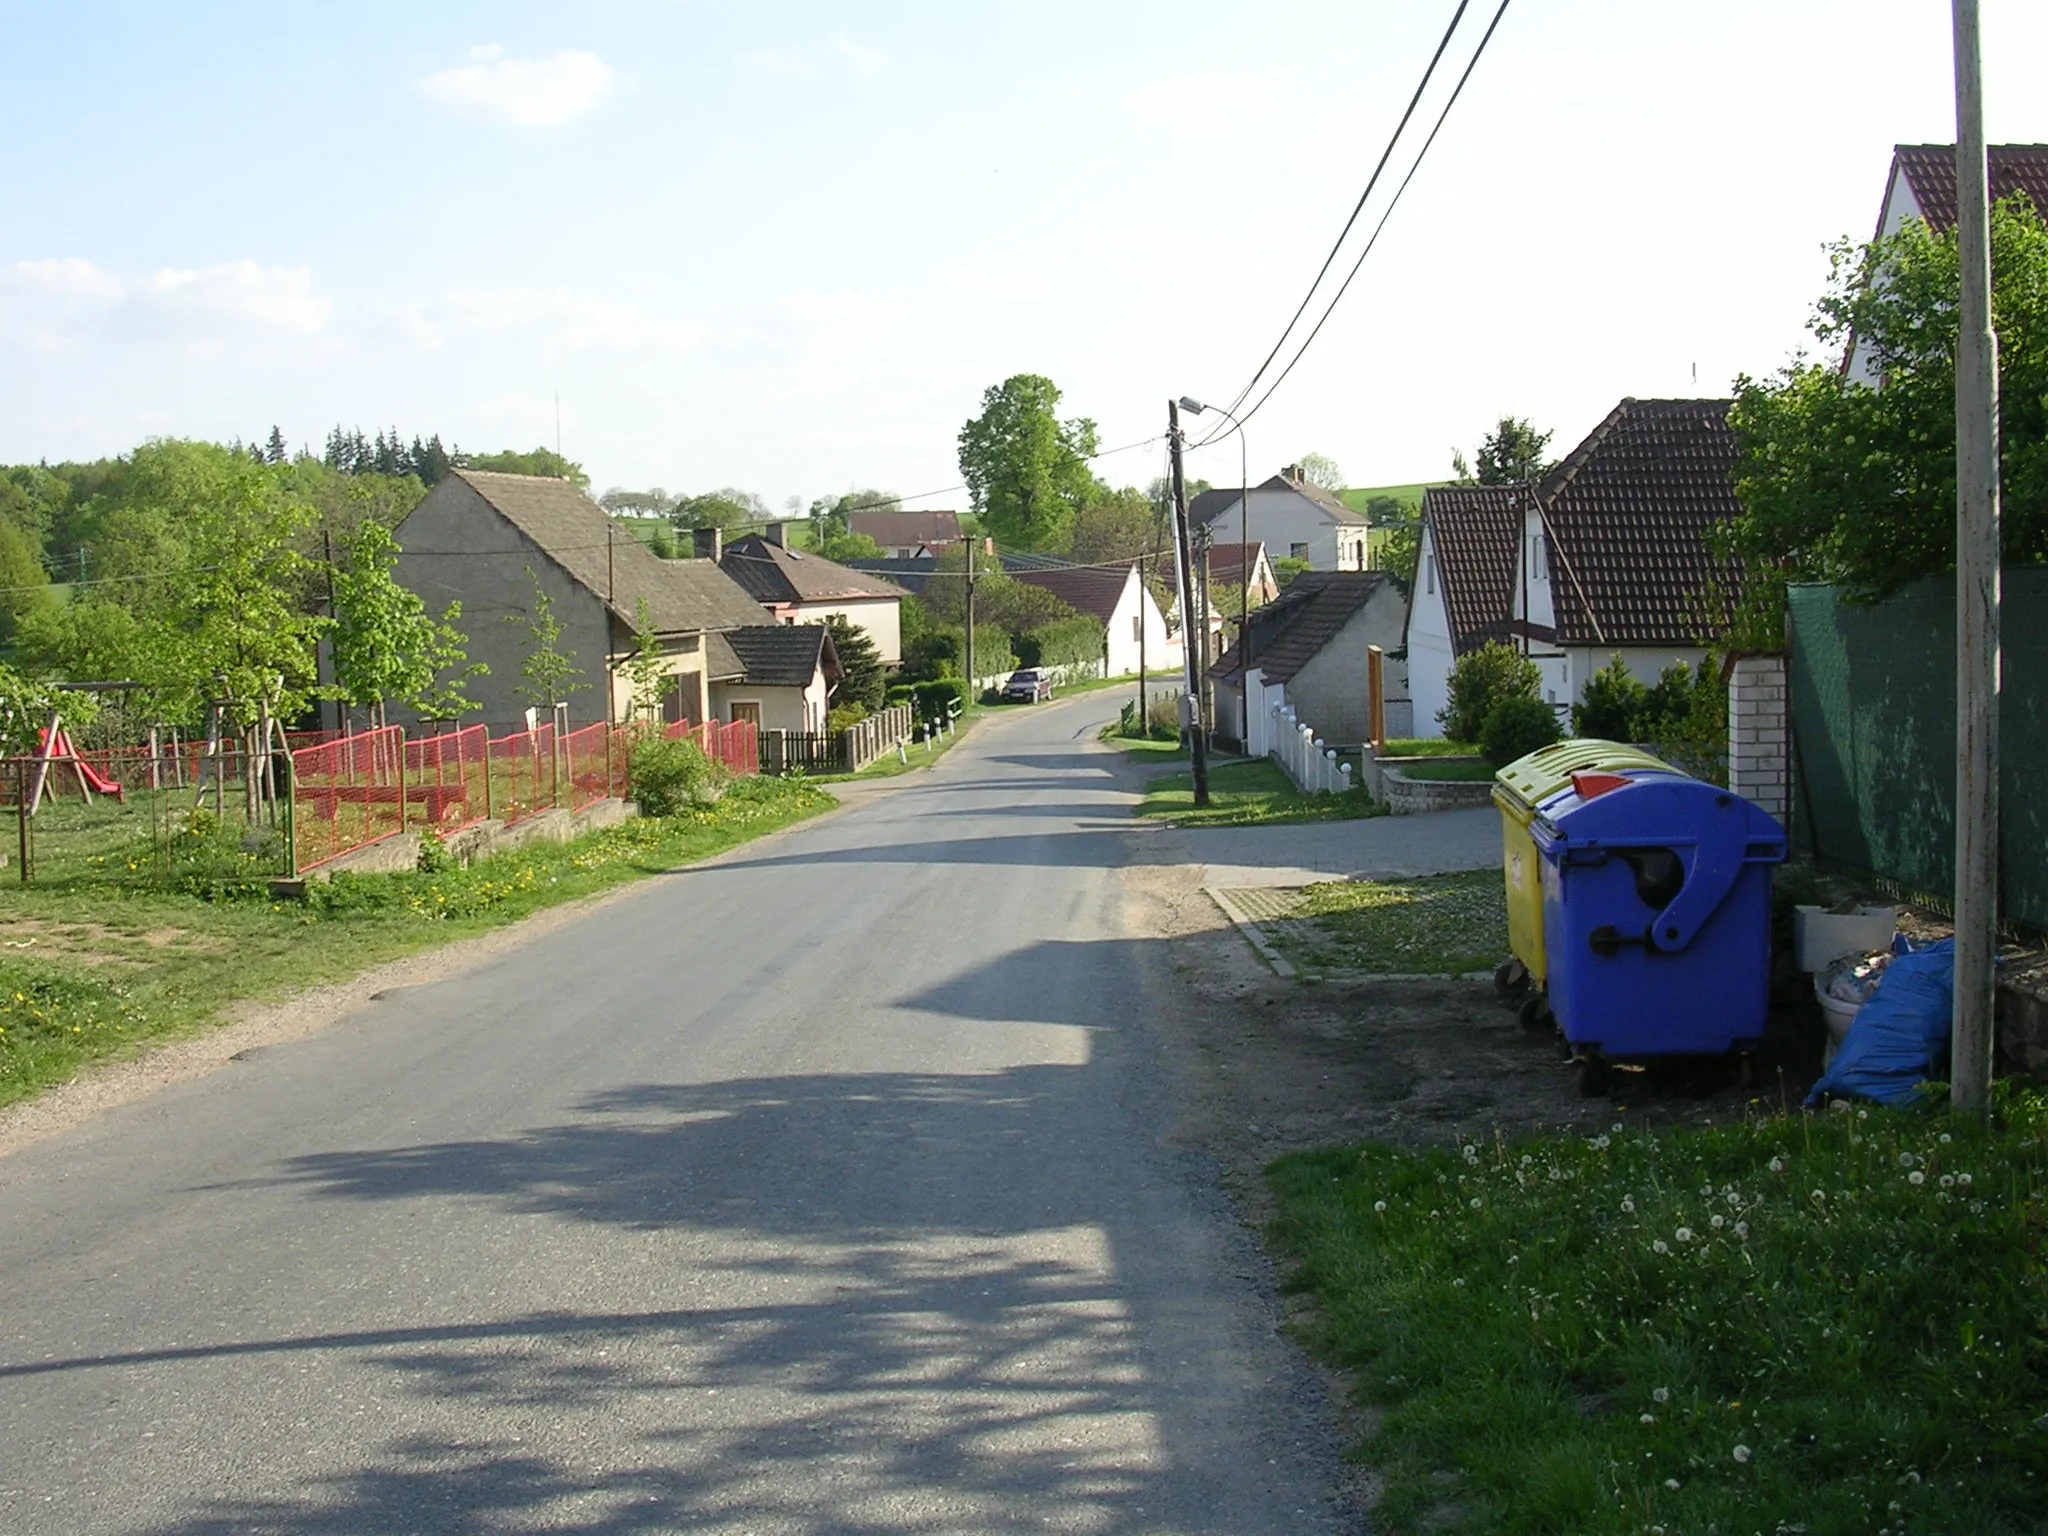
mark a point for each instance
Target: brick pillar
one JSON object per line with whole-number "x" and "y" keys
{"x": 1759, "y": 751}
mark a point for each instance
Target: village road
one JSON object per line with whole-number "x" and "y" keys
{"x": 823, "y": 1189}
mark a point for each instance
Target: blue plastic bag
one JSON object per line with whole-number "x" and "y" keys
{"x": 1900, "y": 1038}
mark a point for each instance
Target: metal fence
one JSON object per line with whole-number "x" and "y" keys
{"x": 524, "y": 772}
{"x": 447, "y": 780}
{"x": 590, "y": 766}
{"x": 737, "y": 745}
{"x": 1873, "y": 729}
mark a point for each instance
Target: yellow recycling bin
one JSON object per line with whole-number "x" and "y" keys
{"x": 1520, "y": 789}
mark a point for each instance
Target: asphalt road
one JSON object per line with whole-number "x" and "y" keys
{"x": 822, "y": 1189}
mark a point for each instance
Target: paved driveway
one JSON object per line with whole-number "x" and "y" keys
{"x": 1341, "y": 850}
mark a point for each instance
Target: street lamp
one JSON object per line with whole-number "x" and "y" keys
{"x": 1195, "y": 407}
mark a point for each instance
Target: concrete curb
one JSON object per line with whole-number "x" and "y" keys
{"x": 1254, "y": 935}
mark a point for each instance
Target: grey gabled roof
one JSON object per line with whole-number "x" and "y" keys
{"x": 774, "y": 574}
{"x": 1208, "y": 506}
{"x": 575, "y": 532}
{"x": 783, "y": 655}
{"x": 1288, "y": 632}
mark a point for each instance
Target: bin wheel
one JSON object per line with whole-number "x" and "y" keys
{"x": 1594, "y": 1076}
{"x": 1511, "y": 981}
{"x": 1535, "y": 1015}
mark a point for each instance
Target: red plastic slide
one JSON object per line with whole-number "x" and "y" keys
{"x": 61, "y": 751}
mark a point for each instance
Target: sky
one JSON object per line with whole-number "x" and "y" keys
{"x": 786, "y": 247}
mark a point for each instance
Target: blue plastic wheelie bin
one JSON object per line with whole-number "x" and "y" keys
{"x": 1657, "y": 917}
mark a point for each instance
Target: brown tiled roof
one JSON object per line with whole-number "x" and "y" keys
{"x": 896, "y": 530}
{"x": 777, "y": 575}
{"x": 1475, "y": 531}
{"x": 1931, "y": 172}
{"x": 575, "y": 533}
{"x": 783, "y": 655}
{"x": 1628, "y": 512}
{"x": 1089, "y": 589}
{"x": 1289, "y": 631}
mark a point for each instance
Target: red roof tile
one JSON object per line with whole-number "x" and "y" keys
{"x": 1474, "y": 531}
{"x": 1931, "y": 173}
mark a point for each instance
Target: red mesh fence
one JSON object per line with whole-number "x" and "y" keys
{"x": 447, "y": 779}
{"x": 524, "y": 773}
{"x": 736, "y": 745}
{"x": 347, "y": 793}
{"x": 587, "y": 761}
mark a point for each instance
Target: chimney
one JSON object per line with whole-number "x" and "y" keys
{"x": 778, "y": 535}
{"x": 710, "y": 543}
{"x": 1293, "y": 472}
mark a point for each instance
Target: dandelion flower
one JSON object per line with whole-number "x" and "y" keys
{"x": 1820, "y": 1194}
{"x": 1742, "y": 1229}
{"x": 1742, "y": 1454}
{"x": 1380, "y": 1207}
{"x": 1671, "y": 1483}
{"x": 1905, "y": 1159}
{"x": 1683, "y": 1234}
{"x": 1916, "y": 1177}
{"x": 1777, "y": 1165}
{"x": 1963, "y": 1179}
{"x": 1717, "y": 1221}
{"x": 1474, "y": 1202}
{"x": 1947, "y": 1179}
{"x": 1943, "y": 1138}
{"x": 1459, "y": 1283}
{"x": 1649, "y": 1418}
{"x": 1628, "y": 1205}
{"x": 1661, "y": 1395}
{"x": 1660, "y": 1246}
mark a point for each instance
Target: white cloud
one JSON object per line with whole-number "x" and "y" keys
{"x": 571, "y": 321}
{"x": 63, "y": 298}
{"x": 530, "y": 93}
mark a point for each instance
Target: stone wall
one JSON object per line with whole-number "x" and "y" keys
{"x": 1415, "y": 797}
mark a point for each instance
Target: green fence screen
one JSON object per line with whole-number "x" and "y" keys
{"x": 1873, "y": 691}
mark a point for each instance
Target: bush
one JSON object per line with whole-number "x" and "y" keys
{"x": 934, "y": 698}
{"x": 1063, "y": 643}
{"x": 1480, "y": 680}
{"x": 1516, "y": 727}
{"x": 1613, "y": 705}
{"x": 668, "y": 777}
{"x": 844, "y": 715}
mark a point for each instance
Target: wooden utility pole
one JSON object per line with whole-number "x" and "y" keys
{"x": 1198, "y": 741}
{"x": 967, "y": 605}
{"x": 1977, "y": 595}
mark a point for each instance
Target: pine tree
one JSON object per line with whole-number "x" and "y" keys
{"x": 274, "y": 451}
{"x": 862, "y": 679}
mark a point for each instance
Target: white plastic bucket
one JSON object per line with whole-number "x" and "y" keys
{"x": 1838, "y": 1016}
{"x": 1824, "y": 937}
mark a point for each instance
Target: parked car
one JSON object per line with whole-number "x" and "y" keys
{"x": 1027, "y": 686}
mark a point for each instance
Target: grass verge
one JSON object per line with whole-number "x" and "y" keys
{"x": 90, "y": 972}
{"x": 1249, "y": 794}
{"x": 1430, "y": 746}
{"x": 890, "y": 766}
{"x": 1431, "y": 925}
{"x": 1818, "y": 1324}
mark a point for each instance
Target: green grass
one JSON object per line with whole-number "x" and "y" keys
{"x": 93, "y": 970}
{"x": 1471, "y": 771}
{"x": 1355, "y": 497}
{"x": 1248, "y": 794}
{"x": 889, "y": 766}
{"x": 1432, "y": 925}
{"x": 1827, "y": 1324}
{"x": 1429, "y": 746}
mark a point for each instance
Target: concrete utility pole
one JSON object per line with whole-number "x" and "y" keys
{"x": 1977, "y": 595}
{"x": 1198, "y": 742}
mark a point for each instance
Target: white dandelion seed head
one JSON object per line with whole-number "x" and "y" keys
{"x": 1671, "y": 1483}
{"x": 1649, "y": 1418}
{"x": 1777, "y": 1165}
{"x": 1963, "y": 1179}
{"x": 1947, "y": 1180}
{"x": 1906, "y": 1159}
{"x": 1742, "y": 1454}
{"x": 1661, "y": 1395}
{"x": 1916, "y": 1177}
{"x": 1660, "y": 1246}
{"x": 1742, "y": 1229}
{"x": 1944, "y": 1138}
{"x": 1717, "y": 1221}
{"x": 1628, "y": 1205}
{"x": 1683, "y": 1234}
{"x": 1474, "y": 1202}
{"x": 1380, "y": 1207}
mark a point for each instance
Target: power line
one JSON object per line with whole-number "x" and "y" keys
{"x": 1373, "y": 240}
{"x": 1385, "y": 155}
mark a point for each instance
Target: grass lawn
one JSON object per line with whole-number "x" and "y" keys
{"x": 92, "y": 969}
{"x": 1246, "y": 794}
{"x": 1410, "y": 496}
{"x": 1826, "y": 1324}
{"x": 1429, "y": 746}
{"x": 1432, "y": 925}
{"x": 1473, "y": 770}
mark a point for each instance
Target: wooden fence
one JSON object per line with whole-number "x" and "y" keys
{"x": 846, "y": 751}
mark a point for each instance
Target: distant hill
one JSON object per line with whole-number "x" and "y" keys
{"x": 1409, "y": 496}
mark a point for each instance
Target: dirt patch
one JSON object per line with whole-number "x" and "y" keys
{"x": 1269, "y": 1066}
{"x": 90, "y": 943}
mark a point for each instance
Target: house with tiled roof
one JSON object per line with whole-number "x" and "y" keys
{"x": 1608, "y": 556}
{"x": 1307, "y": 648}
{"x": 801, "y": 588}
{"x": 493, "y": 542}
{"x": 1292, "y": 516}
{"x": 906, "y": 535}
{"x": 1134, "y": 627}
{"x": 785, "y": 677}
{"x": 1922, "y": 185}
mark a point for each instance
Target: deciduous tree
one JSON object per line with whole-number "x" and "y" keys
{"x": 1026, "y": 470}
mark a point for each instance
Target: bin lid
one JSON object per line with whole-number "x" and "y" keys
{"x": 1523, "y": 786}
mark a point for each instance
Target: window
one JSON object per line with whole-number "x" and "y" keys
{"x": 1429, "y": 573}
{"x": 1539, "y": 558}
{"x": 1137, "y": 626}
{"x": 1297, "y": 551}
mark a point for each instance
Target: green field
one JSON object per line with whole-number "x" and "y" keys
{"x": 1409, "y": 496}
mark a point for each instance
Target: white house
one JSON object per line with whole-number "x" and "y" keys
{"x": 1132, "y": 623}
{"x": 1293, "y": 518}
{"x": 1607, "y": 556}
{"x": 800, "y": 588}
{"x": 1307, "y": 648}
{"x": 1922, "y": 185}
{"x": 782, "y": 679}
